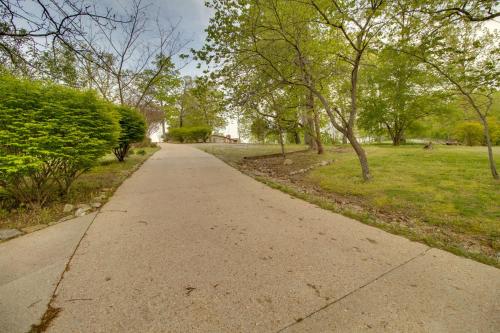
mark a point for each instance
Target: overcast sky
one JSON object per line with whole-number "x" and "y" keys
{"x": 192, "y": 15}
{"x": 194, "y": 18}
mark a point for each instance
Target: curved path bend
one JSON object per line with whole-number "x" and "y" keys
{"x": 189, "y": 244}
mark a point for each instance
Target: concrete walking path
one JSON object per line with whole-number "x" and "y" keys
{"x": 189, "y": 244}
{"x": 30, "y": 268}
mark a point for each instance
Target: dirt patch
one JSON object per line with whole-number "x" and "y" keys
{"x": 259, "y": 157}
{"x": 276, "y": 166}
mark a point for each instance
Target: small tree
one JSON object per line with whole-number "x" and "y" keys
{"x": 133, "y": 129}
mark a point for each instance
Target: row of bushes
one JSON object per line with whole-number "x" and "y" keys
{"x": 189, "y": 134}
{"x": 51, "y": 134}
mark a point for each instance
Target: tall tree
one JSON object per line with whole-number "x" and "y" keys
{"x": 398, "y": 91}
{"x": 358, "y": 23}
{"x": 60, "y": 65}
{"x": 209, "y": 102}
{"x": 268, "y": 36}
{"x": 197, "y": 103}
{"x": 467, "y": 55}
{"x": 155, "y": 89}
{"x": 324, "y": 45}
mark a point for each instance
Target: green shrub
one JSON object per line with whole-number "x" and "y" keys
{"x": 176, "y": 134}
{"x": 49, "y": 135}
{"x": 133, "y": 129}
{"x": 141, "y": 152}
{"x": 494, "y": 126}
{"x": 189, "y": 134}
{"x": 469, "y": 133}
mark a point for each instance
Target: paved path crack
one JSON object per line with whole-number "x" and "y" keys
{"x": 51, "y": 312}
{"x": 354, "y": 291}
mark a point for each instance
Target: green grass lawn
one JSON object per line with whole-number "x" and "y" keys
{"x": 448, "y": 185}
{"x": 108, "y": 175}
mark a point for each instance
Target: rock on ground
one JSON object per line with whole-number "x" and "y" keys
{"x": 9, "y": 233}
{"x": 68, "y": 208}
{"x": 81, "y": 212}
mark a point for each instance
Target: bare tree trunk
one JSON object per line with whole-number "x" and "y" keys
{"x": 296, "y": 137}
{"x": 311, "y": 123}
{"x": 120, "y": 90}
{"x": 317, "y": 137}
{"x": 315, "y": 123}
{"x": 309, "y": 134}
{"x": 238, "y": 124}
{"x": 397, "y": 139}
{"x": 308, "y": 124}
{"x": 365, "y": 170}
{"x": 486, "y": 129}
{"x": 354, "y": 111}
{"x": 281, "y": 141}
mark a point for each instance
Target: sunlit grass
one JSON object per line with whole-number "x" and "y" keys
{"x": 449, "y": 186}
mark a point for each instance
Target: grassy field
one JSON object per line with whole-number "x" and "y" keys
{"x": 107, "y": 175}
{"x": 445, "y": 186}
{"x": 446, "y": 195}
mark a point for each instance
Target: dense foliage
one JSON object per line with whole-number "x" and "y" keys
{"x": 471, "y": 133}
{"x": 189, "y": 134}
{"x": 356, "y": 68}
{"x": 49, "y": 135}
{"x": 397, "y": 93}
{"x": 133, "y": 129}
{"x": 197, "y": 103}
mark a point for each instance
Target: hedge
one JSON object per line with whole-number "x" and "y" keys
{"x": 189, "y": 134}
